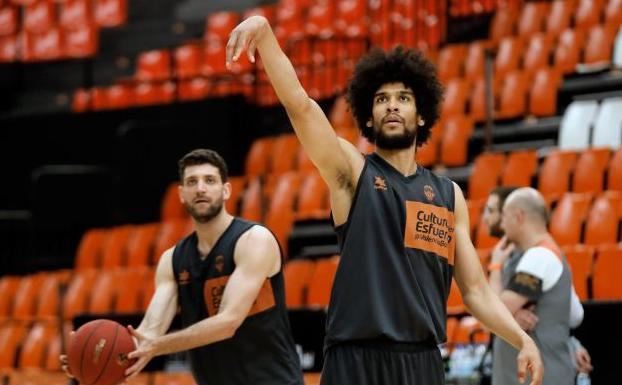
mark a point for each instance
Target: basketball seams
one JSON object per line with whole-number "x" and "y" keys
{"x": 86, "y": 344}
{"x": 103, "y": 367}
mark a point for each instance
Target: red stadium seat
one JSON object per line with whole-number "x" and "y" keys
{"x": 172, "y": 208}
{"x": 503, "y": 22}
{"x": 456, "y": 95}
{"x": 474, "y": 61}
{"x": 580, "y": 259}
{"x": 520, "y": 167}
{"x": 614, "y": 180}
{"x": 485, "y": 175}
{"x": 568, "y": 218}
{"x": 120, "y": 96}
{"x": 90, "y": 248}
{"x": 599, "y": 45}
{"x": 114, "y": 247}
{"x": 214, "y": 57}
{"x": 312, "y": 198}
{"x": 9, "y": 23}
{"x": 81, "y": 42}
{"x": 154, "y": 93}
{"x": 43, "y": 46}
{"x": 169, "y": 233}
{"x": 76, "y": 300}
{"x": 606, "y": 283}
{"x": 320, "y": 20}
{"x": 559, "y": 17}
{"x": 508, "y": 57}
{"x": 587, "y": 14}
{"x": 280, "y": 214}
{"x": 537, "y": 53}
{"x": 543, "y": 92}
{"x": 258, "y": 156}
{"x": 590, "y": 169}
{"x": 32, "y": 353}
{"x": 218, "y": 25}
{"x": 8, "y": 49}
{"x": 252, "y": 201}
{"x": 140, "y": 245}
{"x": 75, "y": 13}
{"x": 350, "y": 20}
{"x": 8, "y": 288}
{"x": 568, "y": 50}
{"x": 512, "y": 96}
{"x": 554, "y": 176}
{"x": 532, "y": 18}
{"x": 188, "y": 59}
{"x": 11, "y": 336}
{"x": 153, "y": 65}
{"x": 450, "y": 59}
{"x": 237, "y": 188}
{"x": 194, "y": 89}
{"x": 613, "y": 13}
{"x": 110, "y": 13}
{"x": 604, "y": 219}
{"x": 455, "y": 138}
{"x": 39, "y": 17}
{"x": 284, "y": 151}
{"x": 27, "y": 296}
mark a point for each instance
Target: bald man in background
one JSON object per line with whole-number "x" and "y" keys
{"x": 538, "y": 278}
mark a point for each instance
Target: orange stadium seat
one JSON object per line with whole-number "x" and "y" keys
{"x": 9, "y": 21}
{"x": 509, "y": 54}
{"x": 559, "y": 16}
{"x": 8, "y": 49}
{"x": 54, "y": 350}
{"x": 114, "y": 248}
{"x": 153, "y": 65}
{"x": 188, "y": 59}
{"x": 590, "y": 169}
{"x": 456, "y": 95}
{"x": 614, "y": 176}
{"x": 36, "y": 377}
{"x": 599, "y": 44}
{"x": 580, "y": 259}
{"x": 474, "y": 61}
{"x": 475, "y": 208}
{"x": 90, "y": 249}
{"x": 32, "y": 353}
{"x": 214, "y": 56}
{"x": 320, "y": 20}
{"x": 568, "y": 50}
{"x": 8, "y": 288}
{"x": 110, "y": 13}
{"x": 512, "y": 96}
{"x": 613, "y": 13}
{"x": 543, "y": 92}
{"x": 603, "y": 221}
{"x": 537, "y": 52}
{"x": 455, "y": 139}
{"x": 194, "y": 89}
{"x": 312, "y": 378}
{"x": 483, "y": 240}
{"x": 148, "y": 287}
{"x": 154, "y": 93}
{"x": 27, "y": 296}
{"x": 322, "y": 281}
{"x": 312, "y": 198}
{"x": 503, "y": 22}
{"x": 128, "y": 292}
{"x": 169, "y": 234}
{"x": 454, "y": 301}
{"x": 12, "y": 334}
{"x": 259, "y": 156}
{"x": 297, "y": 275}
{"x": 140, "y": 244}
{"x": 284, "y": 152}
{"x": 532, "y": 18}
{"x": 76, "y": 300}
{"x": 75, "y": 13}
{"x": 172, "y": 208}
{"x": 350, "y": 20}
{"x": 568, "y": 218}
{"x": 554, "y": 175}
{"x": 606, "y": 283}
{"x": 47, "y": 45}
{"x": 237, "y": 188}
{"x": 340, "y": 115}
{"x": 587, "y": 13}
{"x": 252, "y": 201}
{"x": 218, "y": 25}
{"x": 520, "y": 167}
{"x": 470, "y": 330}
{"x": 280, "y": 214}
{"x": 428, "y": 154}
{"x": 450, "y": 59}
{"x": 80, "y": 42}
{"x": 47, "y": 305}
{"x": 173, "y": 378}
{"x": 485, "y": 175}
{"x": 39, "y": 17}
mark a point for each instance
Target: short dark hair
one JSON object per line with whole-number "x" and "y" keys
{"x": 203, "y": 156}
{"x": 410, "y": 67}
{"x": 503, "y": 192}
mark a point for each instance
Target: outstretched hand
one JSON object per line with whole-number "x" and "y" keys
{"x": 246, "y": 35}
{"x": 145, "y": 351}
{"x": 529, "y": 360}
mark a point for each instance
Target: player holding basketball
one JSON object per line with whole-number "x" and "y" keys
{"x": 403, "y": 231}
{"x": 227, "y": 279}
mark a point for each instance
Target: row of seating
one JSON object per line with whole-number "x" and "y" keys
{"x": 50, "y": 31}
{"x": 591, "y": 170}
{"x": 588, "y": 122}
{"x": 464, "y": 8}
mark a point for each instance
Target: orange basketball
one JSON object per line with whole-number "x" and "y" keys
{"x": 97, "y": 353}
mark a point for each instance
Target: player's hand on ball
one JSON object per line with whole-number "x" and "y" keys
{"x": 145, "y": 351}
{"x": 246, "y": 35}
{"x": 64, "y": 361}
{"x": 529, "y": 360}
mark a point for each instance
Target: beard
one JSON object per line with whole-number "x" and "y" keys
{"x": 208, "y": 214}
{"x": 400, "y": 141}
{"x": 496, "y": 231}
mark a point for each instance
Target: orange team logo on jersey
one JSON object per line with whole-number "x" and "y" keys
{"x": 429, "y": 192}
{"x": 184, "y": 277}
{"x": 214, "y": 289}
{"x": 219, "y": 263}
{"x": 430, "y": 228}
{"x": 380, "y": 183}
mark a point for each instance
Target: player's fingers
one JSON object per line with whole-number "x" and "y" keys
{"x": 537, "y": 370}
{"x": 239, "y": 45}
{"x": 521, "y": 364}
{"x": 252, "y": 46}
{"x": 65, "y": 369}
{"x": 230, "y": 49}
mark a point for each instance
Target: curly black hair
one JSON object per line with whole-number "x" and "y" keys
{"x": 410, "y": 67}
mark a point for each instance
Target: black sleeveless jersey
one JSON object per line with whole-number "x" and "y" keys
{"x": 397, "y": 256}
{"x": 262, "y": 350}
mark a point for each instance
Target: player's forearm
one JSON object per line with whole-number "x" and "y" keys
{"x": 486, "y": 306}
{"x": 494, "y": 279}
{"x": 282, "y": 74}
{"x": 158, "y": 317}
{"x": 213, "y": 329}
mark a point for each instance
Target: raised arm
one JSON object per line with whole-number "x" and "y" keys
{"x": 257, "y": 257}
{"x": 338, "y": 162}
{"x": 483, "y": 303}
{"x": 163, "y": 305}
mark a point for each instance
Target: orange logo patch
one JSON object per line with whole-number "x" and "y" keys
{"x": 214, "y": 289}
{"x": 184, "y": 277}
{"x": 430, "y": 228}
{"x": 380, "y": 183}
{"x": 429, "y": 192}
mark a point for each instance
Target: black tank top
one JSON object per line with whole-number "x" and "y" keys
{"x": 262, "y": 350}
{"x": 397, "y": 255}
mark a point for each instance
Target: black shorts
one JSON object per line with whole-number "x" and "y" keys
{"x": 374, "y": 363}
